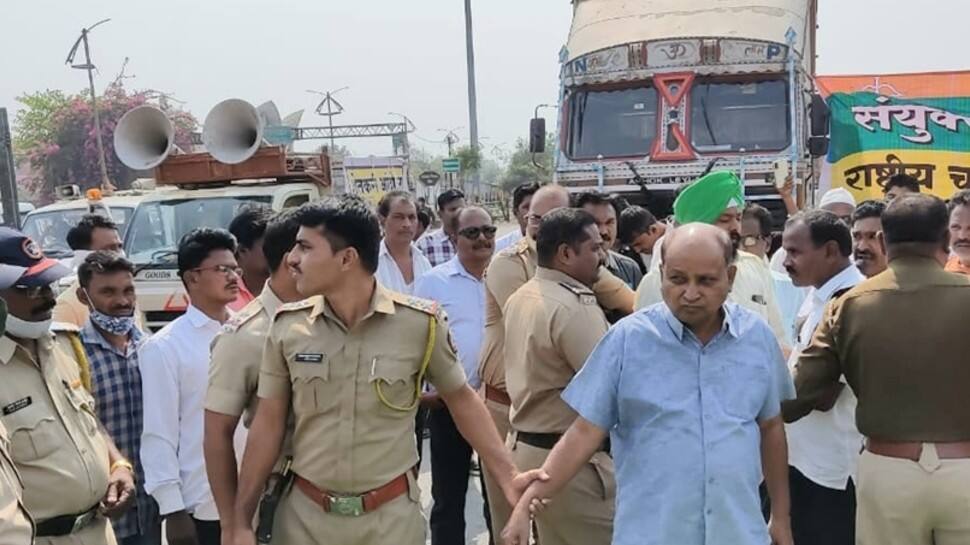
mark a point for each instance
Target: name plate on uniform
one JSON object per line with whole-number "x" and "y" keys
{"x": 17, "y": 405}
{"x": 310, "y": 358}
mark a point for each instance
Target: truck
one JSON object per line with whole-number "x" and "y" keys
{"x": 654, "y": 93}
{"x": 196, "y": 191}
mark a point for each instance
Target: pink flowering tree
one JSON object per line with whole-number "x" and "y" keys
{"x": 55, "y": 135}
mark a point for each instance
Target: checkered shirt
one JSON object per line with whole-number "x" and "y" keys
{"x": 437, "y": 247}
{"x": 116, "y": 380}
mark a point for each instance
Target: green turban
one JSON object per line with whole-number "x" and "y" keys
{"x": 706, "y": 199}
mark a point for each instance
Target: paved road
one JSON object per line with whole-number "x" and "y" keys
{"x": 476, "y": 533}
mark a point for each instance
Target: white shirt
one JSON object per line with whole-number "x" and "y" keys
{"x": 463, "y": 298}
{"x": 389, "y": 274}
{"x": 825, "y": 446}
{"x": 175, "y": 373}
{"x": 508, "y": 239}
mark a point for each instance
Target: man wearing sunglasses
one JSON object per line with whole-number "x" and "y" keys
{"x": 73, "y": 475}
{"x": 457, "y": 285}
{"x": 175, "y": 374}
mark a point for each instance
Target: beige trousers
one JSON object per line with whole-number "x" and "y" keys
{"x": 498, "y": 507}
{"x": 300, "y": 521}
{"x": 901, "y": 502}
{"x": 582, "y": 512}
{"x": 98, "y": 532}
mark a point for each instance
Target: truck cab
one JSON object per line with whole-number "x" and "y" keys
{"x": 652, "y": 92}
{"x": 161, "y": 220}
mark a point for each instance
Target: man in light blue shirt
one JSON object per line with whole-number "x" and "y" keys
{"x": 689, "y": 391}
{"x": 458, "y": 285}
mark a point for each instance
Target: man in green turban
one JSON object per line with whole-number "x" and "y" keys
{"x": 705, "y": 200}
{"x": 718, "y": 199}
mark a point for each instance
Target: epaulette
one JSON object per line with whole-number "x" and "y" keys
{"x": 426, "y": 306}
{"x": 64, "y": 327}
{"x": 298, "y": 305}
{"x": 522, "y": 246}
{"x": 586, "y": 295}
{"x": 247, "y": 313}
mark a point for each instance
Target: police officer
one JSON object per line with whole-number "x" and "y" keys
{"x": 234, "y": 371}
{"x": 552, "y": 324}
{"x": 73, "y": 475}
{"x": 352, "y": 359}
{"x": 16, "y": 526}
{"x": 509, "y": 271}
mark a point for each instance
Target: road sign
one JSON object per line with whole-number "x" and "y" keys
{"x": 450, "y": 165}
{"x": 429, "y": 178}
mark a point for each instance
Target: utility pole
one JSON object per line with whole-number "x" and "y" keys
{"x": 472, "y": 97}
{"x": 106, "y": 185}
{"x": 8, "y": 176}
{"x": 333, "y": 108}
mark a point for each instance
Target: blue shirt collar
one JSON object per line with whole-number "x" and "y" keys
{"x": 729, "y": 324}
{"x": 455, "y": 268}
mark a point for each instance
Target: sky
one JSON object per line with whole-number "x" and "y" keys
{"x": 404, "y": 56}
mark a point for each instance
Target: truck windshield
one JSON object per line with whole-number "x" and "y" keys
{"x": 49, "y": 229}
{"x": 156, "y": 227}
{"x": 614, "y": 123}
{"x": 729, "y": 116}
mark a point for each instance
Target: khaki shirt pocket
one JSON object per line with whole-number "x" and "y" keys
{"x": 313, "y": 391}
{"x": 83, "y": 404}
{"x": 394, "y": 380}
{"x": 33, "y": 434}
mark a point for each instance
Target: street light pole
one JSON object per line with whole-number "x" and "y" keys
{"x": 472, "y": 96}
{"x": 106, "y": 185}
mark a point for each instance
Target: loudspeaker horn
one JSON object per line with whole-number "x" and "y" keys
{"x": 233, "y": 131}
{"x": 144, "y": 137}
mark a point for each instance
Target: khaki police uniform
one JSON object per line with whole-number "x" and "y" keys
{"x": 236, "y": 358}
{"x": 16, "y": 526}
{"x": 55, "y": 440}
{"x": 552, "y": 324}
{"x": 509, "y": 270}
{"x": 354, "y": 399}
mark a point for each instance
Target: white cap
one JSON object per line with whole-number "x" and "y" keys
{"x": 838, "y": 195}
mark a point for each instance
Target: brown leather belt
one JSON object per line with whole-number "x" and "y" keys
{"x": 498, "y": 396}
{"x": 912, "y": 450}
{"x": 353, "y": 506}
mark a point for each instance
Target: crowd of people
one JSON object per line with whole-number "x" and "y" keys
{"x": 620, "y": 378}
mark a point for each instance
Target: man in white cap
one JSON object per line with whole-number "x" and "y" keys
{"x": 73, "y": 474}
{"x": 838, "y": 201}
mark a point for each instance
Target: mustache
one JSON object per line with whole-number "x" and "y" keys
{"x": 864, "y": 254}
{"x": 480, "y": 245}
{"x": 962, "y": 242}
{"x": 44, "y": 307}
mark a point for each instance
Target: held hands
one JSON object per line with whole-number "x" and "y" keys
{"x": 120, "y": 494}
{"x": 520, "y": 482}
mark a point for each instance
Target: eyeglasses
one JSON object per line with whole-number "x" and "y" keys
{"x": 31, "y": 292}
{"x": 222, "y": 269}
{"x": 472, "y": 233}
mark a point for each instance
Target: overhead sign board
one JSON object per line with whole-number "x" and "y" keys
{"x": 450, "y": 165}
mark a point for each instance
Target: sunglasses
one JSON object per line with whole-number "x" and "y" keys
{"x": 31, "y": 292}
{"x": 472, "y": 233}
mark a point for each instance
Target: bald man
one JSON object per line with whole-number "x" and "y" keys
{"x": 509, "y": 270}
{"x": 718, "y": 199}
{"x": 690, "y": 393}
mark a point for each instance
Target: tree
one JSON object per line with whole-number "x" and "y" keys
{"x": 55, "y": 133}
{"x": 522, "y": 170}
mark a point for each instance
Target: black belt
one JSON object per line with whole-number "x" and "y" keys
{"x": 548, "y": 440}
{"x": 66, "y": 524}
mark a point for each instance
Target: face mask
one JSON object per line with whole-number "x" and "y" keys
{"x": 116, "y": 325}
{"x": 27, "y": 330}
